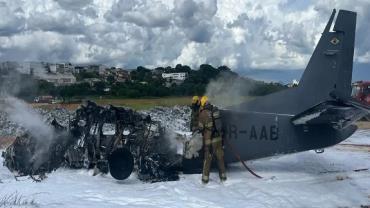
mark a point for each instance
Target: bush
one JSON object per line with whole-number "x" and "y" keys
{"x": 18, "y": 200}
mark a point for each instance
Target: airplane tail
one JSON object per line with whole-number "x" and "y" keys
{"x": 329, "y": 72}
{"x": 327, "y": 78}
{"x": 324, "y": 90}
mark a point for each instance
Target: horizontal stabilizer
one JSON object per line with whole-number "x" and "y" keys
{"x": 359, "y": 105}
{"x": 334, "y": 113}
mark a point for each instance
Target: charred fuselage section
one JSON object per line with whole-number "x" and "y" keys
{"x": 108, "y": 139}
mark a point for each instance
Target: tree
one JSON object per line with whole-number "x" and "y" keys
{"x": 111, "y": 79}
{"x": 195, "y": 84}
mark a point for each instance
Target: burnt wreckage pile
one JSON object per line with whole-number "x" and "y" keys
{"x": 109, "y": 139}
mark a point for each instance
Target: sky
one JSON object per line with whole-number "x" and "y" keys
{"x": 246, "y": 35}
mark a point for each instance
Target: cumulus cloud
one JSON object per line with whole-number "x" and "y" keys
{"x": 73, "y": 4}
{"x": 243, "y": 34}
{"x": 63, "y": 22}
{"x": 12, "y": 20}
{"x": 196, "y": 19}
{"x": 38, "y": 45}
{"x": 142, "y": 14}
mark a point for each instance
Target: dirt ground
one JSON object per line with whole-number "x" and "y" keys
{"x": 363, "y": 124}
{"x": 6, "y": 141}
{"x": 54, "y": 106}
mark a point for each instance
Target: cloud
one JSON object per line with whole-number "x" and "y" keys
{"x": 142, "y": 14}
{"x": 38, "y": 45}
{"x": 243, "y": 34}
{"x": 73, "y": 4}
{"x": 196, "y": 19}
{"x": 12, "y": 20}
{"x": 63, "y": 22}
{"x": 362, "y": 7}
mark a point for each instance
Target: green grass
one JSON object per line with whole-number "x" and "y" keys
{"x": 144, "y": 103}
{"x": 147, "y": 103}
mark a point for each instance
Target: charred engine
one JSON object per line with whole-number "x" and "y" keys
{"x": 107, "y": 139}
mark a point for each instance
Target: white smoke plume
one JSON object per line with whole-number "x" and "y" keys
{"x": 21, "y": 113}
{"x": 227, "y": 90}
{"x": 42, "y": 134}
{"x": 13, "y": 83}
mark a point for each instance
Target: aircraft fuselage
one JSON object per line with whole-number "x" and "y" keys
{"x": 255, "y": 135}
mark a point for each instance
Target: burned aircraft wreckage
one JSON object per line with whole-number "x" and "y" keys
{"x": 279, "y": 123}
{"x": 133, "y": 142}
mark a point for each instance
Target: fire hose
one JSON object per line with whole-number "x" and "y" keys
{"x": 238, "y": 157}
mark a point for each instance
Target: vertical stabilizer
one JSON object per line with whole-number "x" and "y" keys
{"x": 327, "y": 77}
{"x": 329, "y": 71}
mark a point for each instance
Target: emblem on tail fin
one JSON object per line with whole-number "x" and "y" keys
{"x": 334, "y": 41}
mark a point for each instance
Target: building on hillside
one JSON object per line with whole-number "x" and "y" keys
{"x": 92, "y": 81}
{"x": 97, "y": 68}
{"x": 106, "y": 72}
{"x": 53, "y": 68}
{"x": 102, "y": 70}
{"x": 175, "y": 76}
{"x": 293, "y": 84}
{"x": 33, "y": 68}
{"x": 57, "y": 79}
{"x": 80, "y": 68}
{"x": 122, "y": 75}
{"x": 9, "y": 65}
{"x": 64, "y": 68}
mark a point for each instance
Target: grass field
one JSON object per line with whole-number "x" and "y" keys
{"x": 145, "y": 103}
{"x": 137, "y": 104}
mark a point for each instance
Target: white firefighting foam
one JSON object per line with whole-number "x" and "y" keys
{"x": 298, "y": 180}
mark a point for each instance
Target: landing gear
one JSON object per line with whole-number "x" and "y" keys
{"x": 319, "y": 151}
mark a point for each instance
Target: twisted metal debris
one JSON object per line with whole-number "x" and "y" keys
{"x": 108, "y": 139}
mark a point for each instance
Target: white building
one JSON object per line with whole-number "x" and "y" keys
{"x": 34, "y": 68}
{"x": 175, "y": 76}
{"x": 294, "y": 83}
{"x": 58, "y": 79}
{"x": 53, "y": 68}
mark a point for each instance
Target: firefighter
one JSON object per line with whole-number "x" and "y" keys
{"x": 195, "y": 105}
{"x": 210, "y": 125}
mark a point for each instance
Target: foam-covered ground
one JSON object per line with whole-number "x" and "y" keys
{"x": 299, "y": 180}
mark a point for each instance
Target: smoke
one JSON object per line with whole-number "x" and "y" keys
{"x": 42, "y": 134}
{"x": 19, "y": 112}
{"x": 175, "y": 140}
{"x": 228, "y": 90}
{"x": 16, "y": 84}
{"x": 12, "y": 85}
{"x": 9, "y": 85}
{"x": 193, "y": 146}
